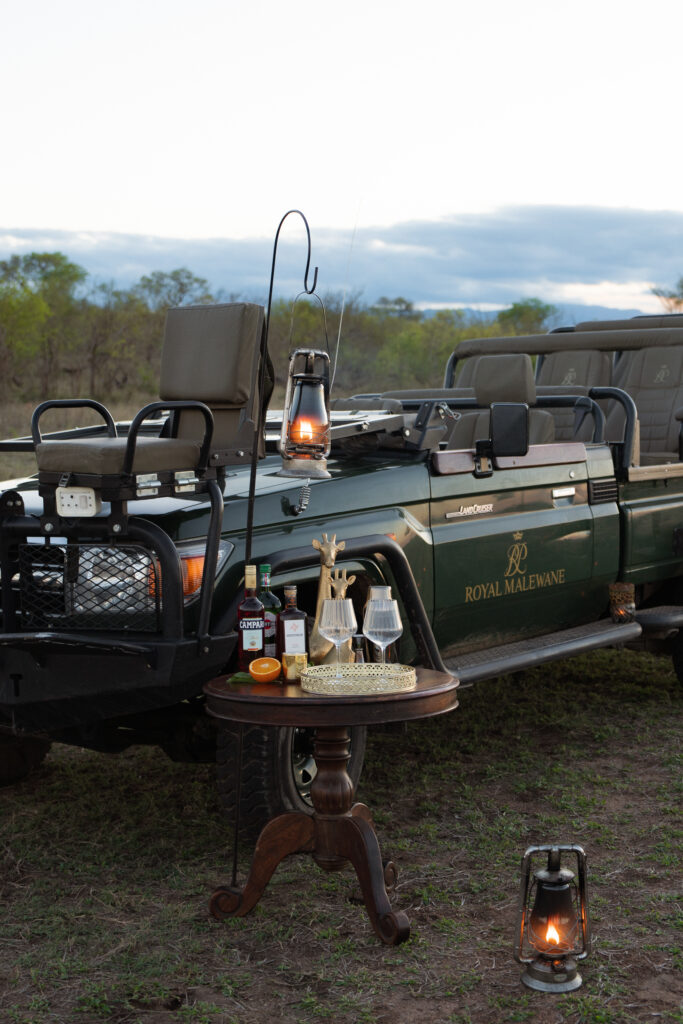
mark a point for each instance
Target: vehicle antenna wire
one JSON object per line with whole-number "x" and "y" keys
{"x": 346, "y": 286}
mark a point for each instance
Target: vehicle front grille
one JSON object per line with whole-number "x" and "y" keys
{"x": 89, "y": 586}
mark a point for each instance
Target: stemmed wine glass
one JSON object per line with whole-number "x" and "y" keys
{"x": 337, "y": 623}
{"x": 382, "y": 624}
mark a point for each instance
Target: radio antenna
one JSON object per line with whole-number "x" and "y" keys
{"x": 343, "y": 304}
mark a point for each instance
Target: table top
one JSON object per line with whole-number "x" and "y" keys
{"x": 278, "y": 704}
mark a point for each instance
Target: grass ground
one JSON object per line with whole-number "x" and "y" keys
{"x": 107, "y": 864}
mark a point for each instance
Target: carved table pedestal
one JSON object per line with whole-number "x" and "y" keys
{"x": 339, "y": 830}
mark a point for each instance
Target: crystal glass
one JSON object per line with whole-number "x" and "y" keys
{"x": 337, "y": 623}
{"x": 382, "y": 624}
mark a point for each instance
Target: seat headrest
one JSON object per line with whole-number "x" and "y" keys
{"x": 504, "y": 378}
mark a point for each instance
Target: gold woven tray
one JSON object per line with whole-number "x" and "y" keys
{"x": 360, "y": 679}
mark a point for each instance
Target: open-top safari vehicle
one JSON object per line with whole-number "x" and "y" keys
{"x": 519, "y": 515}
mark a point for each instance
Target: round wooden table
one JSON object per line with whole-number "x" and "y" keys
{"x": 338, "y": 830}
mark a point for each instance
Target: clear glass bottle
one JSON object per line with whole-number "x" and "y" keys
{"x": 358, "y": 649}
{"x": 250, "y": 622}
{"x": 271, "y": 609}
{"x": 292, "y": 635}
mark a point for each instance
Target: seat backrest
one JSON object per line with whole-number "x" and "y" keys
{"x": 508, "y": 377}
{"x": 653, "y": 377}
{"x": 212, "y": 354}
{"x": 466, "y": 372}
{"x": 502, "y": 378}
{"x": 587, "y": 368}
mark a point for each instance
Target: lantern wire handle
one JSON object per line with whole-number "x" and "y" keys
{"x": 309, "y": 290}
{"x": 324, "y": 312}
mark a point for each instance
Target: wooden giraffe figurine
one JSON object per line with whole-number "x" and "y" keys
{"x": 320, "y": 649}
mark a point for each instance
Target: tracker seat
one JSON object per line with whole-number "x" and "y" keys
{"x": 210, "y": 385}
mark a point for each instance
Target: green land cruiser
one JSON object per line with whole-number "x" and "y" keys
{"x": 528, "y": 509}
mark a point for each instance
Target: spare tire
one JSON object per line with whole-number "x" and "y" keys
{"x": 277, "y": 771}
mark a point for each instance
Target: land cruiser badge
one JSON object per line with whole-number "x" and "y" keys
{"x": 470, "y": 510}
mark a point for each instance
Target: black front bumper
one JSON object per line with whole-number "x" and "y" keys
{"x": 53, "y": 680}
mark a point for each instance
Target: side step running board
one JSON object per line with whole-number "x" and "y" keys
{"x": 661, "y": 621}
{"x": 498, "y": 661}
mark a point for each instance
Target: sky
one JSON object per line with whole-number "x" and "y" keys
{"x": 413, "y": 135}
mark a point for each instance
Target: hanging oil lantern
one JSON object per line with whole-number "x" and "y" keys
{"x": 305, "y": 436}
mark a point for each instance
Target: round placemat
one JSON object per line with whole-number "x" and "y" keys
{"x": 360, "y": 679}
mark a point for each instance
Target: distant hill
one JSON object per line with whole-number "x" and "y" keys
{"x": 240, "y": 268}
{"x": 575, "y": 313}
{"x": 567, "y": 316}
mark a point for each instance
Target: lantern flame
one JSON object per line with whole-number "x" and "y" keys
{"x": 552, "y": 934}
{"x": 303, "y": 431}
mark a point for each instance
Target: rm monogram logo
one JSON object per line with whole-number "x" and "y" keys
{"x": 663, "y": 373}
{"x": 570, "y": 376}
{"x": 517, "y": 555}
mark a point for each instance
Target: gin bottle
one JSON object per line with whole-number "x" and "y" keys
{"x": 271, "y": 609}
{"x": 291, "y": 630}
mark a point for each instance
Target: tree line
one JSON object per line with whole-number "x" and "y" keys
{"x": 64, "y": 336}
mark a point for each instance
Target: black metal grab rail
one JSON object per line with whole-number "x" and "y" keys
{"x": 623, "y": 449}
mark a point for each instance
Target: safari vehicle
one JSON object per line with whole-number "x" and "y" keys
{"x": 503, "y": 508}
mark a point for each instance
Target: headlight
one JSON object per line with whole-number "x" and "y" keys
{"x": 192, "y": 557}
{"x": 101, "y": 581}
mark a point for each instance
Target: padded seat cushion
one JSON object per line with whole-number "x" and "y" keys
{"x": 104, "y": 456}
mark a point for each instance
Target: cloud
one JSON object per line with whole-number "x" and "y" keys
{"x": 557, "y": 253}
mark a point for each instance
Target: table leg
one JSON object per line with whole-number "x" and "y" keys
{"x": 288, "y": 833}
{"x": 345, "y": 832}
{"x": 338, "y": 831}
{"x": 355, "y": 840}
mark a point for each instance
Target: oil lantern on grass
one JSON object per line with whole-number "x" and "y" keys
{"x": 305, "y": 437}
{"x": 552, "y": 928}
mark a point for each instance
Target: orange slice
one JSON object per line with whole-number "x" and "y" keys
{"x": 264, "y": 670}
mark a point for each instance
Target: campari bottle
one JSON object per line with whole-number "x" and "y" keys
{"x": 271, "y": 609}
{"x": 291, "y": 629}
{"x": 250, "y": 622}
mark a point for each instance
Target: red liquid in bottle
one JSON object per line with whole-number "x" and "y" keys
{"x": 250, "y": 622}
